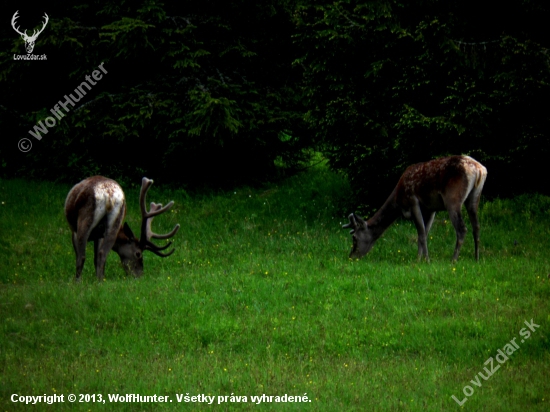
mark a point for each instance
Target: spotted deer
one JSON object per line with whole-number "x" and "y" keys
{"x": 425, "y": 188}
{"x": 95, "y": 209}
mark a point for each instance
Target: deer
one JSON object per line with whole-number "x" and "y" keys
{"x": 29, "y": 40}
{"x": 425, "y": 188}
{"x": 95, "y": 209}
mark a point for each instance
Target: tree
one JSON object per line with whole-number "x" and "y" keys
{"x": 392, "y": 83}
{"x": 198, "y": 93}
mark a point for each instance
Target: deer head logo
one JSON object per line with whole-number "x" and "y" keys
{"x": 29, "y": 40}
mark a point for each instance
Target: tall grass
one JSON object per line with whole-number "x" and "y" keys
{"x": 260, "y": 298}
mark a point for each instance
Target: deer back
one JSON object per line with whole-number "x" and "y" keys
{"x": 96, "y": 202}
{"x": 439, "y": 181}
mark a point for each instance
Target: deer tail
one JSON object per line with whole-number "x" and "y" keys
{"x": 481, "y": 174}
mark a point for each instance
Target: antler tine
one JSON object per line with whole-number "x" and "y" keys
{"x": 145, "y": 185}
{"x": 34, "y": 34}
{"x": 157, "y": 209}
{"x": 162, "y": 254}
{"x": 167, "y": 235}
{"x": 156, "y": 249}
{"x": 15, "y": 16}
{"x": 151, "y": 246}
{"x": 147, "y": 218}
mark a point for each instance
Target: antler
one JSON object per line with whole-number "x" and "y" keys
{"x": 15, "y": 16}
{"x": 34, "y": 34}
{"x": 147, "y": 218}
{"x": 352, "y": 223}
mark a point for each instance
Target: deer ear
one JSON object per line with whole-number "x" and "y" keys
{"x": 128, "y": 232}
{"x": 360, "y": 222}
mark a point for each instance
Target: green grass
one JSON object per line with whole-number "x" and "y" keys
{"x": 260, "y": 298}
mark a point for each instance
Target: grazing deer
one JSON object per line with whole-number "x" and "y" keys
{"x": 95, "y": 209}
{"x": 424, "y": 189}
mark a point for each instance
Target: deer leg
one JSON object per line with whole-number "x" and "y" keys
{"x": 428, "y": 218}
{"x": 421, "y": 229}
{"x": 471, "y": 206}
{"x": 456, "y": 218}
{"x": 96, "y": 248}
{"x": 80, "y": 238}
{"x": 80, "y": 252}
{"x": 103, "y": 248}
{"x": 107, "y": 243}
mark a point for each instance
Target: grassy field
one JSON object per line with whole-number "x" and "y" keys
{"x": 260, "y": 298}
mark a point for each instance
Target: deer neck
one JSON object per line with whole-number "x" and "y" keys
{"x": 121, "y": 239}
{"x": 384, "y": 217}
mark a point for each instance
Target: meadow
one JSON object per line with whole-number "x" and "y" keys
{"x": 261, "y": 298}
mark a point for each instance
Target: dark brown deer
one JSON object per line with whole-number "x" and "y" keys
{"x": 424, "y": 189}
{"x": 95, "y": 209}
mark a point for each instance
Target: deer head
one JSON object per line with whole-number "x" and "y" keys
{"x": 130, "y": 251}
{"x": 29, "y": 40}
{"x": 362, "y": 237}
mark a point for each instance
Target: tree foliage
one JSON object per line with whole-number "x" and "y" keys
{"x": 391, "y": 83}
{"x": 219, "y": 92}
{"x": 201, "y": 92}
